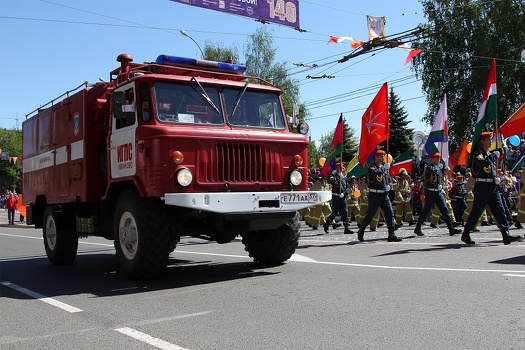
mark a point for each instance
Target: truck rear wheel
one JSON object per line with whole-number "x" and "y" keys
{"x": 273, "y": 246}
{"x": 141, "y": 236}
{"x": 61, "y": 244}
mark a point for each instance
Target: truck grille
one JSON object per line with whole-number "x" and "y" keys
{"x": 238, "y": 163}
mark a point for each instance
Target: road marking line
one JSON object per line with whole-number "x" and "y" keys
{"x": 512, "y": 275}
{"x": 41, "y": 297}
{"x": 148, "y": 339}
{"x": 167, "y": 319}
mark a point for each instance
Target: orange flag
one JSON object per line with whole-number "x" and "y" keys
{"x": 460, "y": 156}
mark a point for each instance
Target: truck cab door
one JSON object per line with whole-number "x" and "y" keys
{"x": 124, "y": 124}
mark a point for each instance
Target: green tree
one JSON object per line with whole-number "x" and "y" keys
{"x": 10, "y": 172}
{"x": 400, "y": 135}
{"x": 463, "y": 37}
{"x": 260, "y": 54}
{"x": 220, "y": 53}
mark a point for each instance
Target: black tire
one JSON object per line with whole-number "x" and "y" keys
{"x": 141, "y": 236}
{"x": 273, "y": 246}
{"x": 60, "y": 242}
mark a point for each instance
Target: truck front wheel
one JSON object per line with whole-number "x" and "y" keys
{"x": 61, "y": 244}
{"x": 273, "y": 246}
{"x": 141, "y": 236}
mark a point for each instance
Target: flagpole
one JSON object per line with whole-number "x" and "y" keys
{"x": 502, "y": 149}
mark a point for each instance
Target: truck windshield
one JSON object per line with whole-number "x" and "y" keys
{"x": 254, "y": 108}
{"x": 183, "y": 103}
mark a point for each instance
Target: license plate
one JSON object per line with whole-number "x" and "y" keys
{"x": 298, "y": 197}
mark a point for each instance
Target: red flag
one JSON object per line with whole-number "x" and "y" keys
{"x": 460, "y": 156}
{"x": 375, "y": 125}
{"x": 412, "y": 54}
{"x": 333, "y": 39}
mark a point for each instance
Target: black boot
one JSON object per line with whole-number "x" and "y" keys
{"x": 336, "y": 225}
{"x": 465, "y": 237}
{"x": 507, "y": 239}
{"x": 392, "y": 237}
{"x": 418, "y": 231}
{"x": 326, "y": 227}
{"x": 452, "y": 231}
{"x": 517, "y": 224}
{"x": 361, "y": 234}
{"x": 411, "y": 222}
{"x": 347, "y": 230}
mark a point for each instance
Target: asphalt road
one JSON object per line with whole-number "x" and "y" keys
{"x": 429, "y": 292}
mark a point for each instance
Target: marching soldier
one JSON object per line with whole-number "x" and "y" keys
{"x": 485, "y": 191}
{"x": 319, "y": 211}
{"x": 378, "y": 196}
{"x": 459, "y": 195}
{"x": 353, "y": 201}
{"x": 402, "y": 199}
{"x": 340, "y": 190}
{"x": 433, "y": 194}
{"x": 436, "y": 213}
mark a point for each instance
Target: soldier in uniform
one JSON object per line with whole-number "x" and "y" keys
{"x": 378, "y": 196}
{"x": 436, "y": 213}
{"x": 469, "y": 186}
{"x": 353, "y": 201}
{"x": 319, "y": 211}
{"x": 340, "y": 190}
{"x": 363, "y": 206}
{"x": 485, "y": 191}
{"x": 459, "y": 195}
{"x": 433, "y": 195}
{"x": 402, "y": 199}
{"x": 521, "y": 204}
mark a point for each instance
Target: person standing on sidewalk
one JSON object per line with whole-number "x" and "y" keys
{"x": 11, "y": 207}
{"x": 485, "y": 191}
{"x": 434, "y": 195}
{"x": 378, "y": 196}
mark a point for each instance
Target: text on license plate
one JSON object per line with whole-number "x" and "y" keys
{"x": 298, "y": 197}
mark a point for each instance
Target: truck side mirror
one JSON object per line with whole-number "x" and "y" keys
{"x": 118, "y": 100}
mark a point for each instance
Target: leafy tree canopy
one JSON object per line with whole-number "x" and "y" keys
{"x": 463, "y": 37}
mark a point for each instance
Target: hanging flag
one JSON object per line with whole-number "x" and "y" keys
{"x": 350, "y": 165}
{"x": 337, "y": 40}
{"x": 403, "y": 160}
{"x": 5, "y": 155}
{"x": 375, "y": 125}
{"x": 520, "y": 162}
{"x": 438, "y": 138}
{"x": 488, "y": 111}
{"x": 413, "y": 53}
{"x": 459, "y": 157}
{"x": 515, "y": 124}
{"x": 337, "y": 148}
{"x": 376, "y": 27}
{"x": 497, "y": 141}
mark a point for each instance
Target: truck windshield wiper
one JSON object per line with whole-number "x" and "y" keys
{"x": 205, "y": 96}
{"x": 239, "y": 98}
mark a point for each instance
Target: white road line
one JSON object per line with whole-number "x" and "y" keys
{"x": 148, "y": 339}
{"x": 168, "y": 319}
{"x": 512, "y": 275}
{"x": 41, "y": 297}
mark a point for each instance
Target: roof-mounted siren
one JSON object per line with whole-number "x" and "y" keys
{"x": 225, "y": 67}
{"x": 125, "y": 59}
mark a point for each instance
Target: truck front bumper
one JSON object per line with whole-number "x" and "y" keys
{"x": 248, "y": 202}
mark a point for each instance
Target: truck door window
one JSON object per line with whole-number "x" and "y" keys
{"x": 145, "y": 107}
{"x": 184, "y": 103}
{"x": 128, "y": 108}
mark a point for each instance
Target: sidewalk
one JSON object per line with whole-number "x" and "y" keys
{"x": 5, "y": 223}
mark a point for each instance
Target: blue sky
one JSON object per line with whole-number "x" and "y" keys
{"x": 50, "y": 46}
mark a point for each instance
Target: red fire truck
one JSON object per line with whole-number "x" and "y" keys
{"x": 167, "y": 149}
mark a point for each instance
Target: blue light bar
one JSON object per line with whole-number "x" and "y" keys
{"x": 183, "y": 61}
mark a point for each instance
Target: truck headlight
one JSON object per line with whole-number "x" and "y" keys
{"x": 184, "y": 177}
{"x": 296, "y": 178}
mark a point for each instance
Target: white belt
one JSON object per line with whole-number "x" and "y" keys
{"x": 376, "y": 191}
{"x": 484, "y": 180}
{"x": 434, "y": 189}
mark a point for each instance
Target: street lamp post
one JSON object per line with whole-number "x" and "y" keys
{"x": 183, "y": 32}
